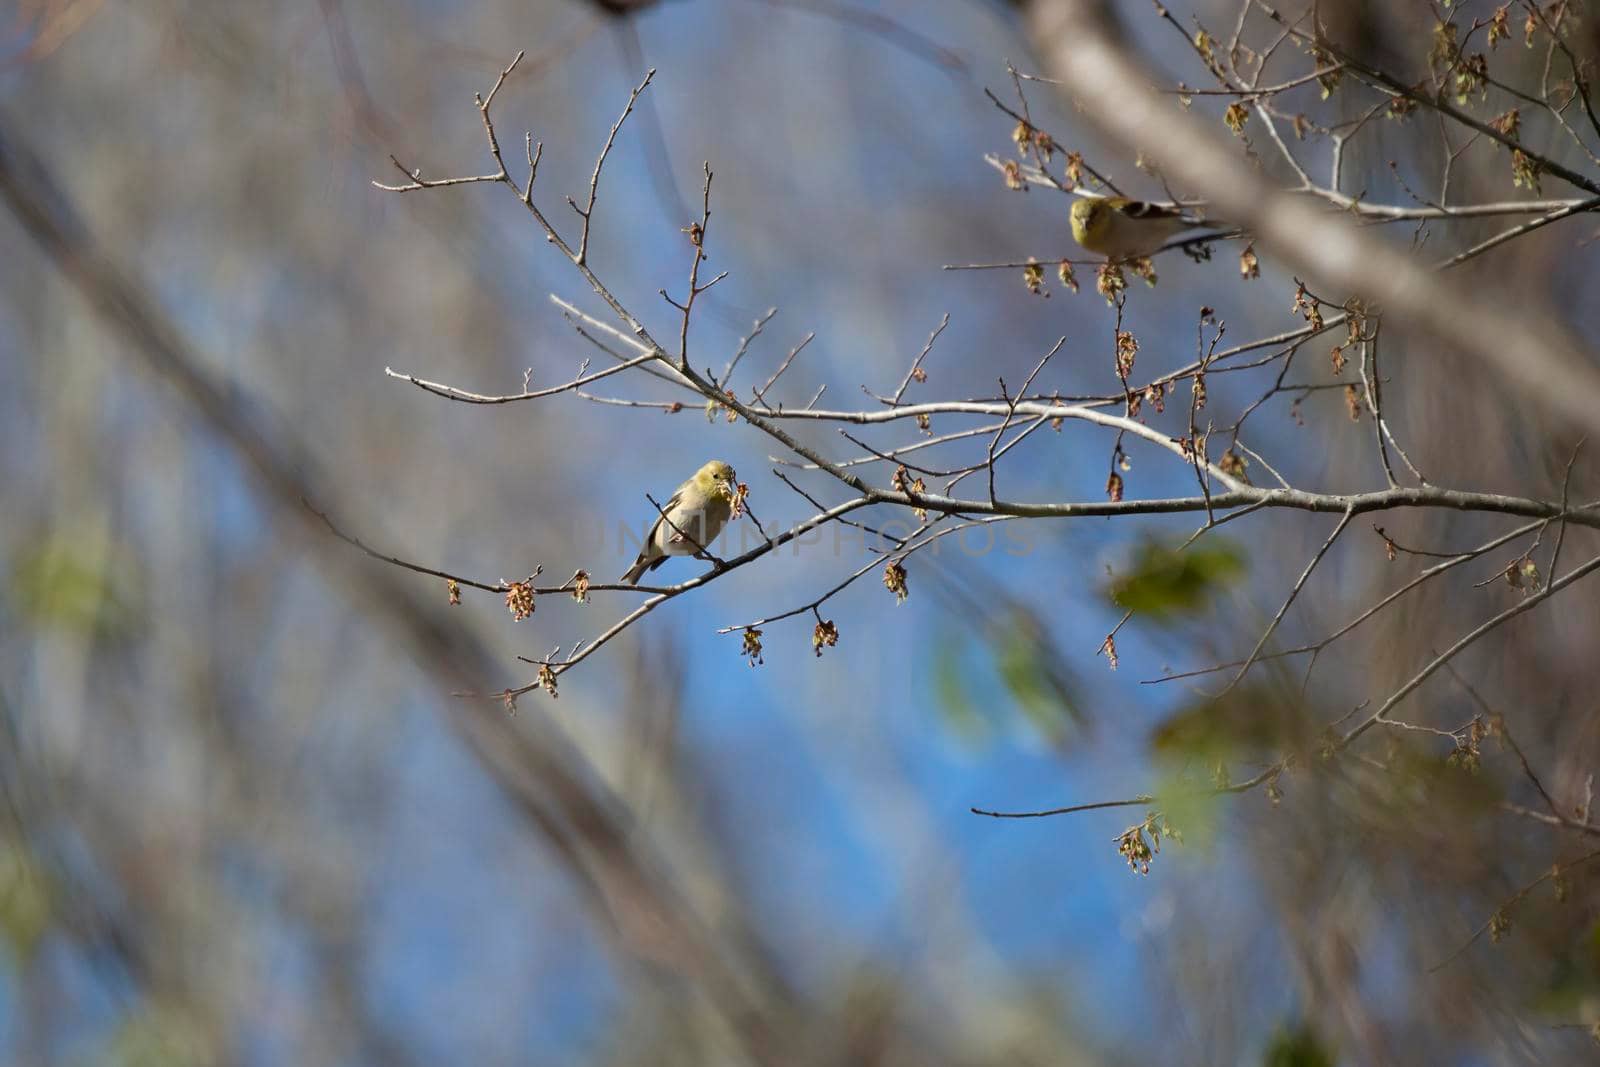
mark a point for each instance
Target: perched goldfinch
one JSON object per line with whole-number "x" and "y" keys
{"x": 698, "y": 511}
{"x": 1119, "y": 228}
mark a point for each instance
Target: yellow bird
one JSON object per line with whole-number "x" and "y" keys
{"x": 1119, "y": 228}
{"x": 690, "y": 520}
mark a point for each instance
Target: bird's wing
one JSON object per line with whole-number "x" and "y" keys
{"x": 661, "y": 519}
{"x": 1143, "y": 209}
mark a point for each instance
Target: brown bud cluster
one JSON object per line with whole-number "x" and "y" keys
{"x": 547, "y": 679}
{"x": 1074, "y": 169}
{"x": 1127, "y": 349}
{"x": 1065, "y": 276}
{"x": 1108, "y": 648}
{"x": 519, "y": 600}
{"x": 826, "y": 634}
{"x": 1109, "y": 282}
{"x": 1468, "y": 751}
{"x": 1524, "y": 171}
{"x": 453, "y": 588}
{"x": 1205, "y": 45}
{"x": 716, "y": 405}
{"x": 1472, "y": 77}
{"x": 752, "y": 646}
{"x": 1523, "y": 575}
{"x": 1233, "y": 465}
{"x": 580, "y": 587}
{"x": 1500, "y": 25}
{"x": 1027, "y": 137}
{"x": 1442, "y": 54}
{"x": 1324, "y": 59}
{"x": 1013, "y": 175}
{"x": 1236, "y": 116}
{"x": 911, "y": 487}
{"x": 1033, "y": 278}
{"x": 894, "y": 580}
{"x": 1307, "y": 306}
{"x": 1400, "y": 107}
{"x": 1133, "y": 847}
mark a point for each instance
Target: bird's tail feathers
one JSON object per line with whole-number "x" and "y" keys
{"x": 640, "y": 565}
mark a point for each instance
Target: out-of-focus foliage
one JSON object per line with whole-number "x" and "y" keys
{"x": 1163, "y": 583}
{"x": 1298, "y": 1047}
{"x": 25, "y": 902}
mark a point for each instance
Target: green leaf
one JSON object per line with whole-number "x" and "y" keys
{"x": 1163, "y": 583}
{"x": 1032, "y": 672}
{"x": 162, "y": 1036}
{"x": 25, "y": 901}
{"x": 1249, "y": 723}
{"x": 1298, "y": 1047}
{"x": 959, "y": 712}
{"x": 70, "y": 587}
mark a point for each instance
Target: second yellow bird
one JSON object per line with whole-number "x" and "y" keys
{"x": 1119, "y": 228}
